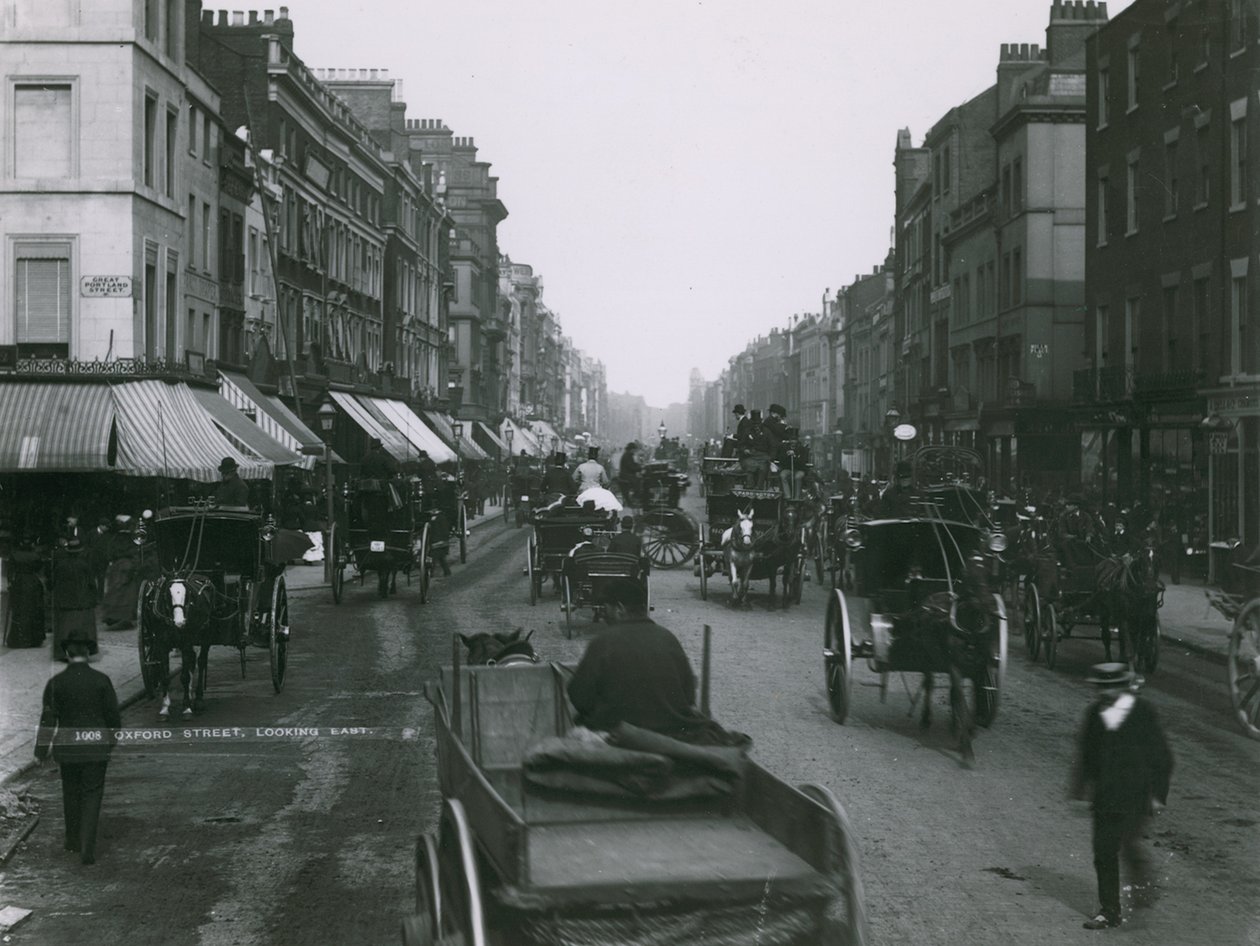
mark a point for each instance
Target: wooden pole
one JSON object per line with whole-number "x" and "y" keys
{"x": 457, "y": 696}
{"x": 704, "y": 671}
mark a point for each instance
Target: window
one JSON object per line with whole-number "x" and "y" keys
{"x": 172, "y": 301}
{"x": 1017, "y": 276}
{"x": 1102, "y": 334}
{"x": 1104, "y": 208}
{"x": 945, "y": 170}
{"x": 190, "y": 221}
{"x": 208, "y": 139}
{"x": 1237, "y": 25}
{"x": 1104, "y": 96}
{"x": 1240, "y": 359}
{"x": 1169, "y": 328}
{"x": 42, "y": 297}
{"x": 1203, "y": 154}
{"x": 172, "y": 132}
{"x": 150, "y": 134}
{"x": 1170, "y": 178}
{"x": 1172, "y": 30}
{"x": 1131, "y": 196}
{"x": 190, "y": 331}
{"x": 152, "y": 17}
{"x": 170, "y": 28}
{"x": 253, "y": 260}
{"x": 43, "y": 131}
{"x": 1134, "y": 73}
{"x": 1132, "y": 325}
{"x": 206, "y": 220}
{"x": 1201, "y": 326}
{"x": 192, "y": 130}
{"x": 992, "y": 287}
{"x": 1006, "y": 189}
{"x": 1238, "y": 161}
{"x": 1005, "y": 298}
{"x": 1017, "y": 183}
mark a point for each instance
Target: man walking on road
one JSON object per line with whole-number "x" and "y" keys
{"x": 1123, "y": 763}
{"x": 77, "y": 723}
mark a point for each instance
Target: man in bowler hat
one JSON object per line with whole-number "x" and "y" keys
{"x": 1123, "y": 764}
{"x": 232, "y": 490}
{"x": 78, "y": 721}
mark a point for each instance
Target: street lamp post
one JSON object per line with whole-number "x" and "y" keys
{"x": 507, "y": 486}
{"x": 327, "y": 414}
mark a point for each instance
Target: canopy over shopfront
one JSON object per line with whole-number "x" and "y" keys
{"x": 375, "y": 424}
{"x": 522, "y": 438}
{"x": 54, "y": 427}
{"x": 243, "y": 432}
{"x": 488, "y": 440}
{"x": 273, "y": 417}
{"x": 441, "y": 423}
{"x": 164, "y": 431}
{"x": 413, "y": 428}
{"x": 547, "y": 436}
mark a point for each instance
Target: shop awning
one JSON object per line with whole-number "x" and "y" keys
{"x": 50, "y": 427}
{"x": 375, "y": 424}
{"x": 273, "y": 416}
{"x": 242, "y": 431}
{"x": 522, "y": 438}
{"x": 547, "y": 436}
{"x": 442, "y": 424}
{"x": 163, "y": 431}
{"x": 488, "y": 440}
{"x": 414, "y": 429}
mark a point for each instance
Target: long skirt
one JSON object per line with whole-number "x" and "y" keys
{"x": 28, "y": 621}
{"x": 65, "y": 621}
{"x": 122, "y": 591}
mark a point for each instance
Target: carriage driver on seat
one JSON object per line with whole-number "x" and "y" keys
{"x": 232, "y": 492}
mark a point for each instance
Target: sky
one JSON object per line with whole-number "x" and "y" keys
{"x": 683, "y": 175}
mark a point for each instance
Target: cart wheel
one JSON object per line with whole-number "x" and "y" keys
{"x": 567, "y": 606}
{"x": 987, "y": 685}
{"x": 428, "y": 916}
{"x": 463, "y": 532}
{"x": 670, "y": 537}
{"x": 1147, "y": 645}
{"x": 798, "y": 577}
{"x": 336, "y": 562}
{"x": 422, "y": 562}
{"x": 461, "y": 916}
{"x": 534, "y": 581}
{"x": 1032, "y": 620}
{"x": 278, "y": 632}
{"x": 703, "y": 561}
{"x": 1050, "y": 631}
{"x": 842, "y": 924}
{"x": 150, "y": 648}
{"x": 1244, "y": 668}
{"x": 820, "y": 550}
{"x": 838, "y": 655}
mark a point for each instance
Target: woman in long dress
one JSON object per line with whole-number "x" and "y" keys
{"x": 73, "y": 597}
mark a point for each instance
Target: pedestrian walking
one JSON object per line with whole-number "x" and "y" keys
{"x": 1123, "y": 766}
{"x": 28, "y": 618}
{"x": 122, "y": 579}
{"x": 73, "y": 597}
{"x": 77, "y": 724}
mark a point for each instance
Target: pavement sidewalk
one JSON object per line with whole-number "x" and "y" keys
{"x": 24, "y": 671}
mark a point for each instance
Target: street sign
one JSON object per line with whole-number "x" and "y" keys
{"x": 100, "y": 286}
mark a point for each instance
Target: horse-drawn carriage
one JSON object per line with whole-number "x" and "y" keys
{"x": 918, "y": 603}
{"x": 380, "y": 528}
{"x": 524, "y": 490}
{"x": 221, "y": 581}
{"x": 750, "y": 534}
{"x": 515, "y": 862}
{"x": 670, "y": 536}
{"x": 1090, "y": 573}
{"x": 589, "y": 575}
{"x": 556, "y": 530}
{"x": 1238, "y": 600}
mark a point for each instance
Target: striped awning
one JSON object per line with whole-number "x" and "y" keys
{"x": 489, "y": 440}
{"x": 375, "y": 424}
{"x": 468, "y": 449}
{"x": 273, "y": 416}
{"x": 243, "y": 432}
{"x": 163, "y": 431}
{"x": 414, "y": 429}
{"x": 49, "y": 427}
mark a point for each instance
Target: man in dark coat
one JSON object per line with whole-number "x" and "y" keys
{"x": 1123, "y": 763}
{"x": 629, "y": 473}
{"x": 77, "y": 723}
{"x": 557, "y": 480}
{"x": 377, "y": 464}
{"x": 232, "y": 491}
{"x": 73, "y": 597}
{"x": 895, "y": 502}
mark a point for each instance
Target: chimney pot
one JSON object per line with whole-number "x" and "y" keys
{"x": 284, "y": 13}
{"x": 238, "y": 17}
{"x": 269, "y": 16}
{"x": 253, "y": 17}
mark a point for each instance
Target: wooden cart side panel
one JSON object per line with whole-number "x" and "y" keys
{"x": 798, "y": 823}
{"x": 505, "y": 710}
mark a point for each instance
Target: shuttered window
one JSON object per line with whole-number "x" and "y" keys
{"x": 42, "y": 285}
{"x": 43, "y": 145}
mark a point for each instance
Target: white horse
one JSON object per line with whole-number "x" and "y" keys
{"x": 738, "y": 554}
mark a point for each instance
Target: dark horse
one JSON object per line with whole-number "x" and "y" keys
{"x": 500, "y": 648}
{"x": 952, "y": 633}
{"x": 1129, "y": 587}
{"x": 180, "y": 611}
{"x": 751, "y": 553}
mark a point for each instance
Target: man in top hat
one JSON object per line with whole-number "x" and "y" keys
{"x": 557, "y": 481}
{"x": 590, "y": 473}
{"x": 756, "y": 449}
{"x": 895, "y": 500}
{"x": 232, "y": 490}
{"x": 77, "y": 723}
{"x": 377, "y": 464}
{"x": 1123, "y": 764}
{"x": 629, "y": 473}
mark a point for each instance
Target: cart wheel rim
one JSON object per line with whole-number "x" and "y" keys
{"x": 278, "y": 633}
{"x": 1243, "y": 668}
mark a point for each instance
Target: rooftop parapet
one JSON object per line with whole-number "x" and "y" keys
{"x": 1078, "y": 10}
{"x": 1021, "y": 52}
{"x": 231, "y": 18}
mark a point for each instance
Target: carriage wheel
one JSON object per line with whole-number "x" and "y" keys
{"x": 461, "y": 916}
{"x": 1032, "y": 620}
{"x": 336, "y": 562}
{"x": 670, "y": 537}
{"x": 1244, "y": 668}
{"x": 150, "y": 648}
{"x": 534, "y": 582}
{"x": 278, "y": 632}
{"x": 820, "y": 550}
{"x": 422, "y": 562}
{"x": 1146, "y": 644}
{"x": 567, "y": 606}
{"x": 463, "y": 532}
{"x": 842, "y": 924}
{"x": 1050, "y": 628}
{"x": 798, "y": 577}
{"x": 987, "y": 685}
{"x": 838, "y": 655}
{"x": 426, "y": 922}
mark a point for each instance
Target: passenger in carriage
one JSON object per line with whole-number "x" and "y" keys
{"x": 232, "y": 492}
{"x": 895, "y": 502}
{"x": 756, "y": 449}
{"x": 556, "y": 481}
{"x": 377, "y": 464}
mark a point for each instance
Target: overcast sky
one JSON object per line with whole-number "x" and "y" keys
{"x": 684, "y": 175}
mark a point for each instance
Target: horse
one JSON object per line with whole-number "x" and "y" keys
{"x": 181, "y": 609}
{"x": 738, "y": 555}
{"x": 500, "y": 649}
{"x": 1128, "y": 584}
{"x": 750, "y": 554}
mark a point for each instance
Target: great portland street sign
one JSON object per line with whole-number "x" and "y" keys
{"x": 100, "y": 286}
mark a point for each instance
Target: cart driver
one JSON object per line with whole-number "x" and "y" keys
{"x": 232, "y": 491}
{"x": 895, "y": 500}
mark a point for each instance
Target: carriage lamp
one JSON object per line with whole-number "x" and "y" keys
{"x": 997, "y": 542}
{"x": 508, "y": 434}
{"x": 457, "y": 428}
